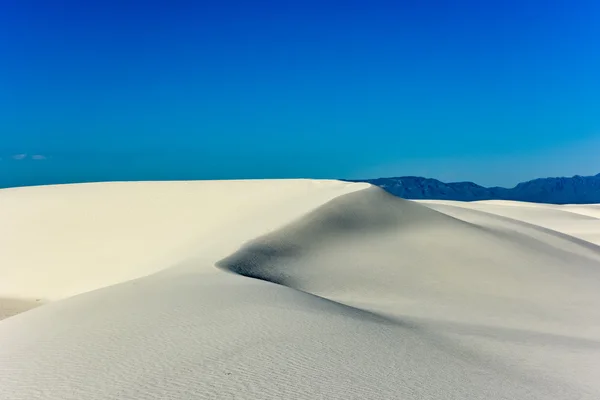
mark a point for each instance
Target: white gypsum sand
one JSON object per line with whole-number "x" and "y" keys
{"x": 294, "y": 290}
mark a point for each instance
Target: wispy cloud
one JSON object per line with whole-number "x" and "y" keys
{"x": 25, "y": 156}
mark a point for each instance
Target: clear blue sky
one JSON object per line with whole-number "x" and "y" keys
{"x": 483, "y": 90}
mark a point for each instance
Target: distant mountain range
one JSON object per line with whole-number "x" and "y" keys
{"x": 575, "y": 190}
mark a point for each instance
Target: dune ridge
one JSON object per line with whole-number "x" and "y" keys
{"x": 358, "y": 295}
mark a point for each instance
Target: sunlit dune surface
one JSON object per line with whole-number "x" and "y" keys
{"x": 293, "y": 289}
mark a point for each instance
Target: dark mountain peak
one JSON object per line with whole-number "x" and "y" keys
{"x": 466, "y": 184}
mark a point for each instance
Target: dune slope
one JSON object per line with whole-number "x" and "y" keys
{"x": 358, "y": 295}
{"x": 59, "y": 241}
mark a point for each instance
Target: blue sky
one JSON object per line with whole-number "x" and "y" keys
{"x": 491, "y": 91}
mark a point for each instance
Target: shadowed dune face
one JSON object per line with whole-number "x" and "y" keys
{"x": 369, "y": 245}
{"x": 375, "y": 297}
{"x": 349, "y": 217}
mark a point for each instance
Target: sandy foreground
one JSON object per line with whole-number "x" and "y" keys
{"x": 293, "y": 289}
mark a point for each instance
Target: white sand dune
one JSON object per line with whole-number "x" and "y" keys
{"x": 576, "y": 220}
{"x": 294, "y": 290}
